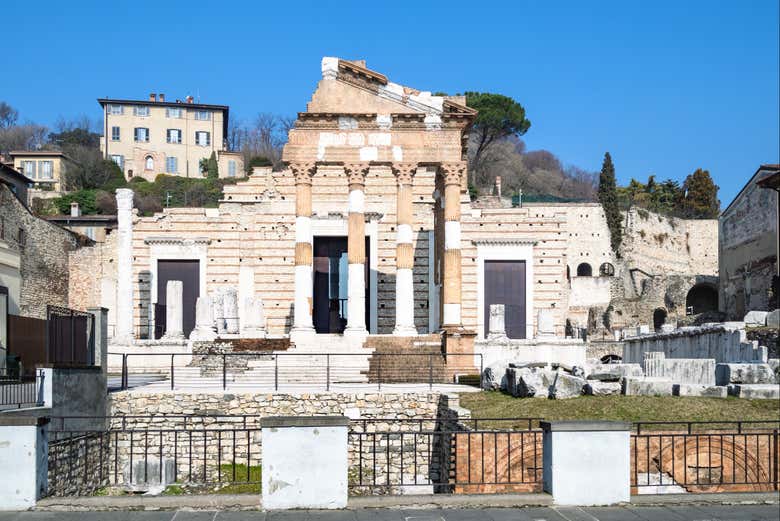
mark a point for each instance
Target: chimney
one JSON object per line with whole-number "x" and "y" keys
{"x": 498, "y": 185}
{"x": 161, "y": 97}
{"x": 75, "y": 211}
{"x": 152, "y": 96}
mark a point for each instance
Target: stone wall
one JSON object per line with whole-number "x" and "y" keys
{"x": 44, "y": 249}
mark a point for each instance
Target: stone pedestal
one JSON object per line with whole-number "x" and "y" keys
{"x": 254, "y": 319}
{"x": 497, "y": 326}
{"x": 545, "y": 324}
{"x": 24, "y": 461}
{"x": 305, "y": 462}
{"x": 204, "y": 321}
{"x": 230, "y": 311}
{"x": 174, "y": 304}
{"x": 587, "y": 462}
{"x": 218, "y": 309}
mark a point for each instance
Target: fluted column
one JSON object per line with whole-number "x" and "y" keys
{"x": 304, "y": 284}
{"x": 356, "y": 250}
{"x": 404, "y": 251}
{"x": 452, "y": 173}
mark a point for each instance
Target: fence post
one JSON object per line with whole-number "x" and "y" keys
{"x": 327, "y": 373}
{"x": 379, "y": 370}
{"x": 124, "y": 372}
{"x": 587, "y": 463}
{"x": 224, "y": 371}
{"x": 276, "y": 372}
{"x": 309, "y": 454}
{"x": 430, "y": 371}
{"x": 25, "y": 449}
{"x": 775, "y": 456}
{"x": 172, "y": 371}
{"x": 100, "y": 337}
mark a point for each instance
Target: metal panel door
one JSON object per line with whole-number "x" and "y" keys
{"x": 505, "y": 284}
{"x": 188, "y": 272}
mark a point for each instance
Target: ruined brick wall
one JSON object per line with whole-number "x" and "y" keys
{"x": 44, "y": 249}
{"x": 89, "y": 268}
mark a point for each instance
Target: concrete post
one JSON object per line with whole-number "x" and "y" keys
{"x": 356, "y": 251}
{"x": 587, "y": 462}
{"x": 404, "y": 257}
{"x": 304, "y": 282}
{"x": 453, "y": 173}
{"x": 174, "y": 325}
{"x": 305, "y": 462}
{"x": 24, "y": 460}
{"x": 101, "y": 337}
{"x": 124, "y": 296}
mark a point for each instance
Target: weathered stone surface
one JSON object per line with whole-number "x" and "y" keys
{"x": 726, "y": 374}
{"x": 647, "y": 387}
{"x": 567, "y": 386}
{"x": 710, "y": 391}
{"x": 773, "y": 319}
{"x": 545, "y": 323}
{"x": 528, "y": 382}
{"x": 756, "y": 318}
{"x": 204, "y": 321}
{"x": 774, "y": 363}
{"x": 496, "y": 326}
{"x": 494, "y": 376}
{"x": 597, "y": 388}
{"x": 230, "y": 303}
{"x": 755, "y": 391}
{"x": 614, "y": 372}
{"x": 699, "y": 371}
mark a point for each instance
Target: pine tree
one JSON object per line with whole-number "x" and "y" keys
{"x": 609, "y": 201}
{"x": 212, "y": 168}
{"x": 700, "y": 200}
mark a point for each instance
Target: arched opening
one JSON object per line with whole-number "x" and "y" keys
{"x": 659, "y": 318}
{"x": 149, "y": 163}
{"x": 701, "y": 299}
{"x": 607, "y": 270}
{"x": 584, "y": 270}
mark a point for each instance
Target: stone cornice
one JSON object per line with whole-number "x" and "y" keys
{"x": 182, "y": 241}
{"x": 505, "y": 242}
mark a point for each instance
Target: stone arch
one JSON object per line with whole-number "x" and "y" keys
{"x": 659, "y": 318}
{"x": 584, "y": 270}
{"x": 701, "y": 298}
{"x": 607, "y": 270}
{"x": 148, "y": 163}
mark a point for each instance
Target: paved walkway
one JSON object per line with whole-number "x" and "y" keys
{"x": 627, "y": 513}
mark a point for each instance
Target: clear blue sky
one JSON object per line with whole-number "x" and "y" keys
{"x": 665, "y": 86}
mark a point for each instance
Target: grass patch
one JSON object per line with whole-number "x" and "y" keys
{"x": 493, "y": 404}
{"x": 252, "y": 473}
{"x": 174, "y": 490}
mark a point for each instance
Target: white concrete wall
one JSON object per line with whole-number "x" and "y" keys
{"x": 568, "y": 352}
{"x": 23, "y": 462}
{"x": 589, "y": 291}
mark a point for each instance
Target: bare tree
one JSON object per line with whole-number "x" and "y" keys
{"x": 22, "y": 137}
{"x": 8, "y": 115}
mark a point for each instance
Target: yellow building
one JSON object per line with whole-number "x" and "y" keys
{"x": 45, "y": 168}
{"x": 147, "y": 138}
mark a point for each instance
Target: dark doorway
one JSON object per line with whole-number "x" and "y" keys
{"x": 331, "y": 271}
{"x": 659, "y": 318}
{"x": 188, "y": 272}
{"x": 505, "y": 284}
{"x": 701, "y": 299}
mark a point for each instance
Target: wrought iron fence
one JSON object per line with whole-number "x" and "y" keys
{"x": 17, "y": 391}
{"x": 284, "y": 371}
{"x": 702, "y": 457}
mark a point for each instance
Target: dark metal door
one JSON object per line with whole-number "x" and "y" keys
{"x": 329, "y": 312}
{"x": 188, "y": 272}
{"x": 505, "y": 284}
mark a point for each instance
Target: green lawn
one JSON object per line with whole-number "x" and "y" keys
{"x": 493, "y": 404}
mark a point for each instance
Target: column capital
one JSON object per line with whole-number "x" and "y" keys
{"x": 356, "y": 173}
{"x": 404, "y": 172}
{"x": 453, "y": 172}
{"x": 303, "y": 172}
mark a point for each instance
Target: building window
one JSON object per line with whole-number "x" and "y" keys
{"x": 45, "y": 170}
{"x": 174, "y": 135}
{"x": 171, "y": 165}
{"x": 115, "y": 109}
{"x": 21, "y": 237}
{"x": 119, "y": 160}
{"x": 149, "y": 163}
{"x": 231, "y": 168}
{"x": 142, "y": 134}
{"x": 202, "y": 115}
{"x": 115, "y": 133}
{"x": 90, "y": 232}
{"x": 584, "y": 270}
{"x": 607, "y": 270}
{"x": 141, "y": 111}
{"x": 173, "y": 112}
{"x": 28, "y": 169}
{"x": 202, "y": 138}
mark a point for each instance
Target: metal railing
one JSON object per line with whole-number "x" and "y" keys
{"x": 675, "y": 457}
{"x": 17, "y": 392}
{"x": 290, "y": 370}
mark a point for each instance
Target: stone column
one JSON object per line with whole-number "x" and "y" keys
{"x": 124, "y": 295}
{"x": 452, "y": 173}
{"x": 356, "y": 250}
{"x": 497, "y": 324}
{"x": 304, "y": 283}
{"x": 204, "y": 321}
{"x": 173, "y": 310}
{"x": 230, "y": 303}
{"x": 404, "y": 253}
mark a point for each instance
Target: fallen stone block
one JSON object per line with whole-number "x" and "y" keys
{"x": 529, "y": 382}
{"x": 567, "y": 386}
{"x": 755, "y": 318}
{"x": 773, "y": 319}
{"x": 774, "y": 363}
{"x": 708, "y": 391}
{"x": 494, "y": 377}
{"x": 755, "y": 391}
{"x": 599, "y": 388}
{"x": 647, "y": 386}
{"x": 726, "y": 374}
{"x": 614, "y": 372}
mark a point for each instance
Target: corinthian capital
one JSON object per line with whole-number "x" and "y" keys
{"x": 453, "y": 172}
{"x": 303, "y": 172}
{"x": 404, "y": 172}
{"x": 356, "y": 173}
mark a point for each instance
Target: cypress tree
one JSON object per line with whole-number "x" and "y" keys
{"x": 609, "y": 201}
{"x": 212, "y": 168}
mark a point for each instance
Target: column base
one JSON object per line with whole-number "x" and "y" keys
{"x": 405, "y": 331}
{"x": 123, "y": 340}
{"x": 356, "y": 332}
{"x": 298, "y": 334}
{"x": 205, "y": 334}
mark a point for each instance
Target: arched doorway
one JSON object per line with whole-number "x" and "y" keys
{"x": 701, "y": 299}
{"x": 659, "y": 318}
{"x": 584, "y": 270}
